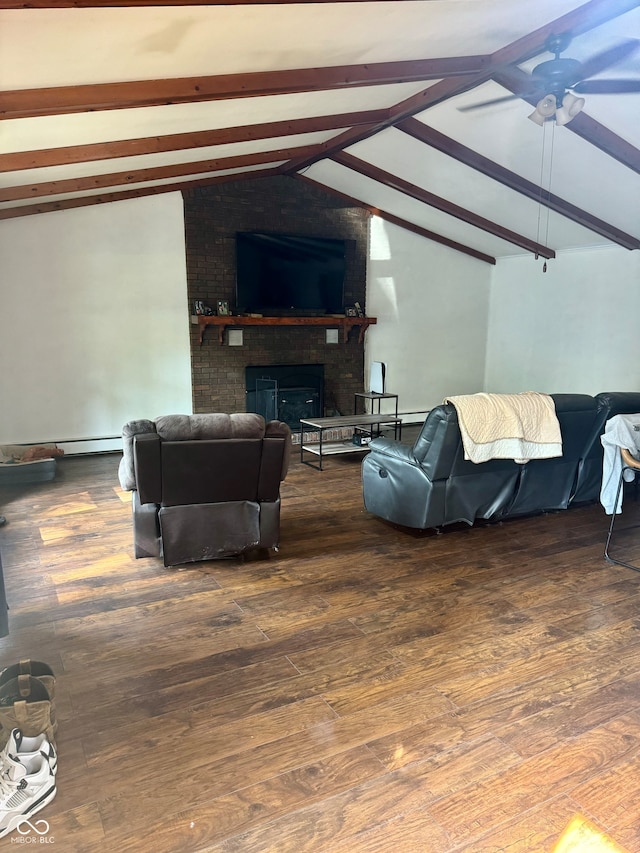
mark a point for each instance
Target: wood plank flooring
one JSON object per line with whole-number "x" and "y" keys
{"x": 365, "y": 690}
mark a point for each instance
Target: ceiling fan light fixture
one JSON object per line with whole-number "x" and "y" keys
{"x": 571, "y": 106}
{"x": 545, "y": 108}
{"x": 537, "y": 118}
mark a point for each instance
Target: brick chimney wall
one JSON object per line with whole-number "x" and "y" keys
{"x": 213, "y": 215}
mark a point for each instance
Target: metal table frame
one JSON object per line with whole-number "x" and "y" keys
{"x": 322, "y": 448}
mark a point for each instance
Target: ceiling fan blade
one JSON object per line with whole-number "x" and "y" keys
{"x": 607, "y": 87}
{"x": 489, "y": 103}
{"x": 607, "y": 58}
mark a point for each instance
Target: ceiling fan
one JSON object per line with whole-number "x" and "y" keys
{"x": 556, "y": 83}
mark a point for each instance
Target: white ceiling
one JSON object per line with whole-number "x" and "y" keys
{"x": 338, "y": 119}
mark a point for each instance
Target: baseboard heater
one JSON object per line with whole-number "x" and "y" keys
{"x": 78, "y": 446}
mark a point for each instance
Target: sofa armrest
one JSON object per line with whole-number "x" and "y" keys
{"x": 396, "y": 487}
{"x": 278, "y": 429}
{"x": 147, "y": 466}
{"x": 126, "y": 471}
{"x": 393, "y": 450}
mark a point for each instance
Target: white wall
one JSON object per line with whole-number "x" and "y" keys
{"x": 571, "y": 329}
{"x": 432, "y": 306}
{"x": 94, "y": 325}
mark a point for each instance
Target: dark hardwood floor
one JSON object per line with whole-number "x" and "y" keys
{"x": 366, "y": 689}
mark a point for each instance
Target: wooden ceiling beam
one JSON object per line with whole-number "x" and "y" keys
{"x": 18, "y": 160}
{"x": 403, "y": 223}
{"x": 114, "y": 179}
{"x": 513, "y": 181}
{"x": 57, "y": 100}
{"x": 106, "y": 198}
{"x": 442, "y": 204}
{"x": 434, "y": 94}
{"x": 606, "y": 140}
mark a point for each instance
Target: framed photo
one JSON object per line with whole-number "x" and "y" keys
{"x": 202, "y": 308}
{"x": 351, "y": 311}
{"x": 223, "y": 308}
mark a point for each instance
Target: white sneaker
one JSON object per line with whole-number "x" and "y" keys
{"x": 19, "y": 746}
{"x": 25, "y": 788}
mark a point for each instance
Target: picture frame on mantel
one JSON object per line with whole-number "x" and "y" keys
{"x": 351, "y": 311}
{"x": 223, "y": 308}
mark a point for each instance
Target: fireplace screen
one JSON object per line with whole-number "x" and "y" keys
{"x": 285, "y": 392}
{"x": 266, "y": 399}
{"x": 296, "y": 403}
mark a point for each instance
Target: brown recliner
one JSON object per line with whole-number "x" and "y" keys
{"x": 204, "y": 486}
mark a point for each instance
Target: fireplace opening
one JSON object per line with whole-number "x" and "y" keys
{"x": 285, "y": 392}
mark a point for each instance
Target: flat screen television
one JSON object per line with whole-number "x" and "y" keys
{"x": 285, "y": 274}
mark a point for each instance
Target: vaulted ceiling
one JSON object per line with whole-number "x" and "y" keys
{"x": 101, "y": 101}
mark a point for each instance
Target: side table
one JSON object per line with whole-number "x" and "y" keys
{"x": 373, "y": 396}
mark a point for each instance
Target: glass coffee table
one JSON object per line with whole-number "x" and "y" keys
{"x": 330, "y": 447}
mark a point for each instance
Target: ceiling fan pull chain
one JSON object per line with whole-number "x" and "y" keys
{"x": 553, "y": 137}
{"x": 540, "y": 188}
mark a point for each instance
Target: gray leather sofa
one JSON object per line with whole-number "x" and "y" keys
{"x": 431, "y": 485}
{"x": 204, "y": 486}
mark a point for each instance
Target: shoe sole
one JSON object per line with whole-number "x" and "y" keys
{"x": 40, "y": 803}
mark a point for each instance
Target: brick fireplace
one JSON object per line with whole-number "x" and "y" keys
{"x": 213, "y": 215}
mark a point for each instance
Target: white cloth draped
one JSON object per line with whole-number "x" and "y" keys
{"x": 619, "y": 431}
{"x": 508, "y": 426}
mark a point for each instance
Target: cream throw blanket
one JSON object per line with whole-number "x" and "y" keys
{"x": 508, "y": 426}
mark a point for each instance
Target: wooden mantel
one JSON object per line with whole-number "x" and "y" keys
{"x": 344, "y": 323}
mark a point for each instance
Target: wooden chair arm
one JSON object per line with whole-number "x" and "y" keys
{"x": 629, "y": 460}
